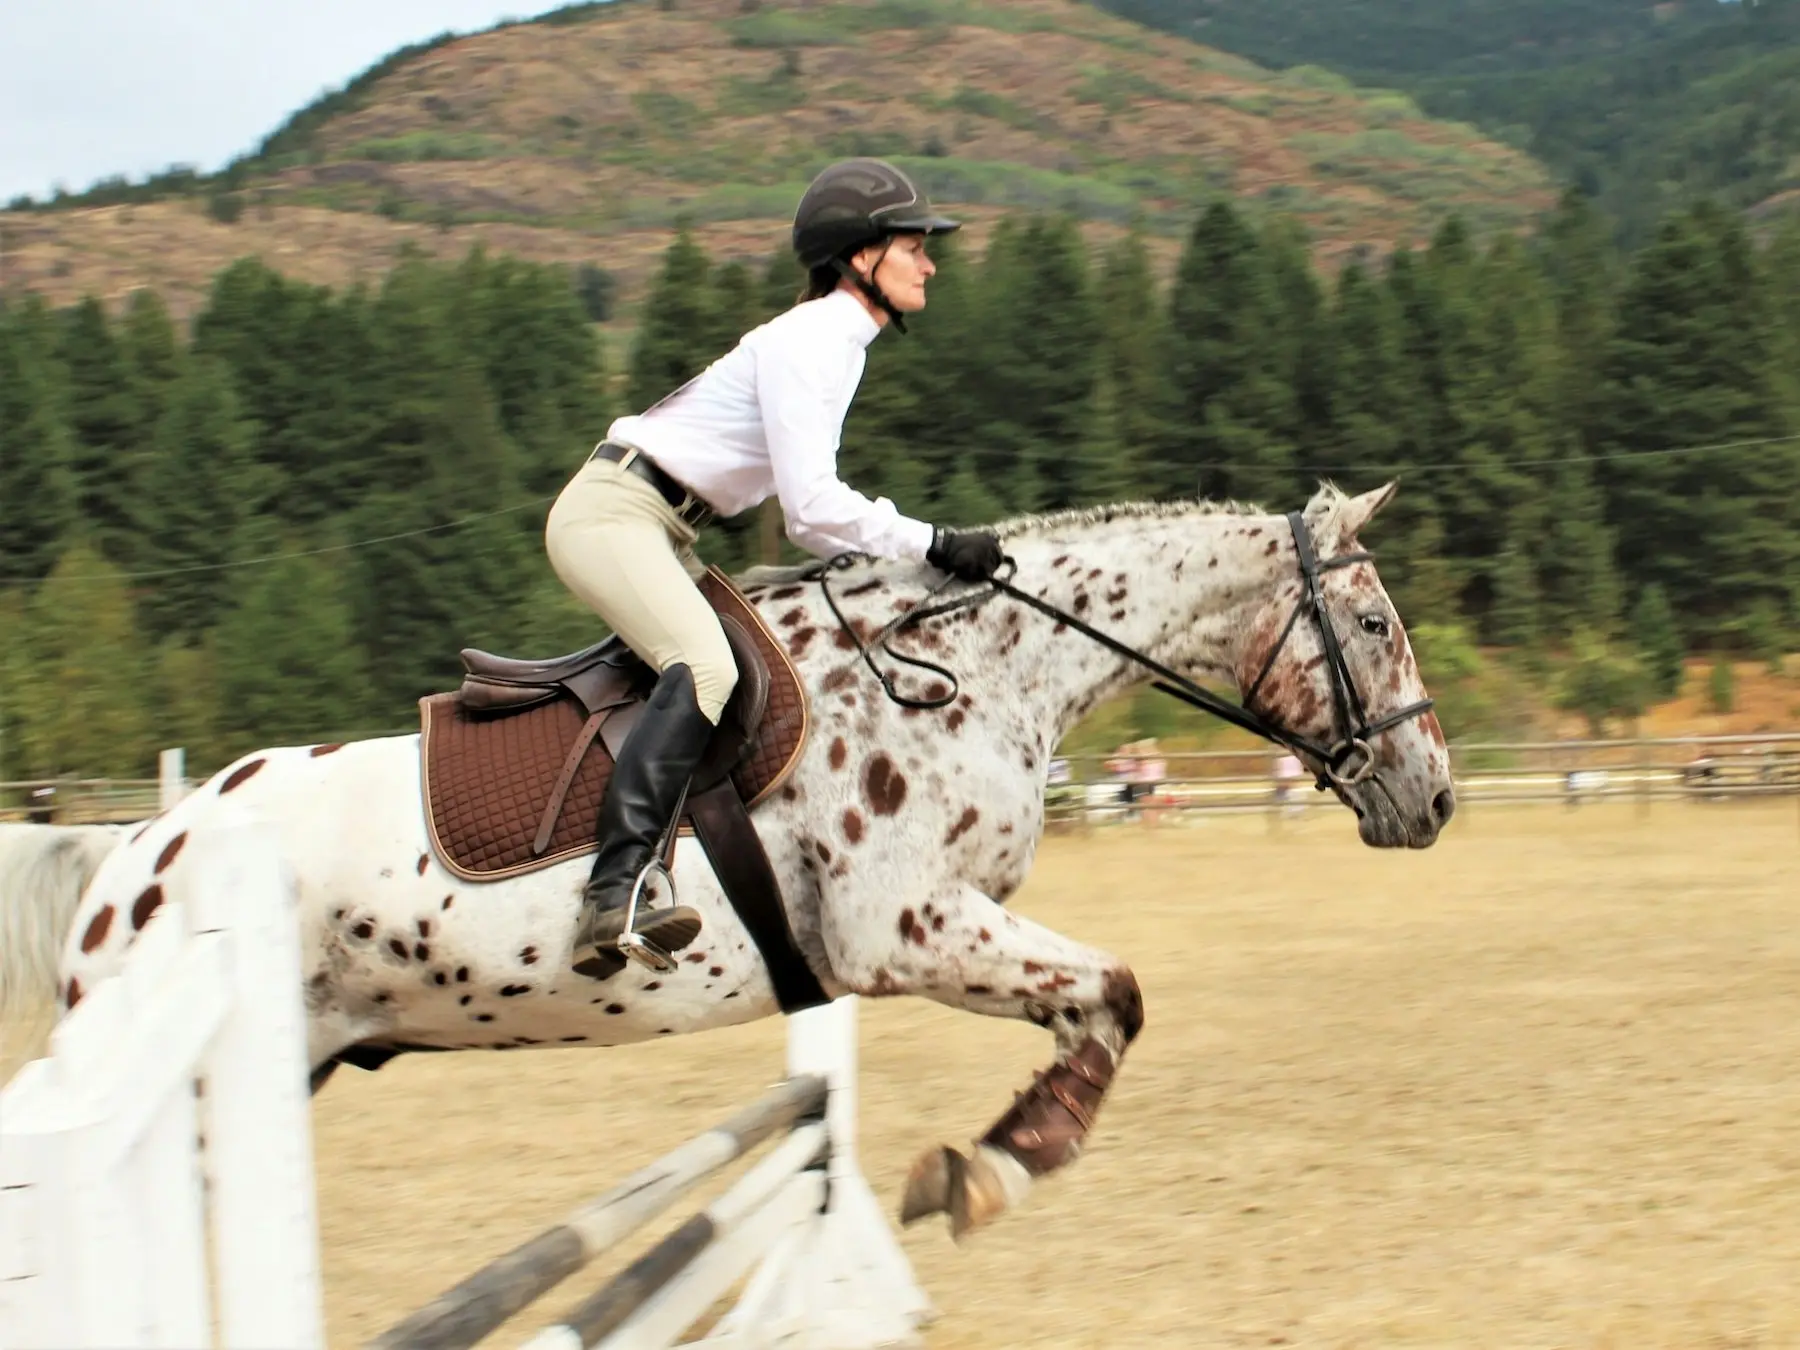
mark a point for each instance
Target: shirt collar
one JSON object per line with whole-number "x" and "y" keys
{"x": 859, "y": 325}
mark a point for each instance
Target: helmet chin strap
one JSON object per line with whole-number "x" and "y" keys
{"x": 867, "y": 284}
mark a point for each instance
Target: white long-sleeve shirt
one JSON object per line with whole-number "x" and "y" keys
{"x": 765, "y": 420}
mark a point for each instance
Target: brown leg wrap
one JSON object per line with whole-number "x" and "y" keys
{"x": 1047, "y": 1120}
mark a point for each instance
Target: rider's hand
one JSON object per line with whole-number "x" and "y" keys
{"x": 972, "y": 555}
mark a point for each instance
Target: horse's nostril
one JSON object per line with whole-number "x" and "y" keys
{"x": 1443, "y": 806}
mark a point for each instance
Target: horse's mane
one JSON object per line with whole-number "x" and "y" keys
{"x": 1046, "y": 522}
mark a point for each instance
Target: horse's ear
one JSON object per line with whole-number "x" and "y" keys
{"x": 1357, "y": 512}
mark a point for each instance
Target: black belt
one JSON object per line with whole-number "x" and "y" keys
{"x": 691, "y": 509}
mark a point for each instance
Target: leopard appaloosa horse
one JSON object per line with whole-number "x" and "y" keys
{"x": 896, "y": 839}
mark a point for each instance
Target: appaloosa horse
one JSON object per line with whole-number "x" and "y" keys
{"x": 898, "y": 836}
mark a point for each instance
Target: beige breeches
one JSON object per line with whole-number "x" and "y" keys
{"x": 625, "y": 554}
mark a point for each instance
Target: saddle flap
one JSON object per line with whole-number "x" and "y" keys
{"x": 739, "y": 724}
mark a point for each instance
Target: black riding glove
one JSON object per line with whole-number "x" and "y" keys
{"x": 971, "y": 555}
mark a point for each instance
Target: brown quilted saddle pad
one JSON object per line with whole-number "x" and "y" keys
{"x": 491, "y": 777}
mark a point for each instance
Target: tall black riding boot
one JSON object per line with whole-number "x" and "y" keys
{"x": 637, "y": 815}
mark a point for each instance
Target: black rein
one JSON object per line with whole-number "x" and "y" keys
{"x": 1350, "y": 708}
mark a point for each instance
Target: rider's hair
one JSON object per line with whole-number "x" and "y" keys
{"x": 820, "y": 282}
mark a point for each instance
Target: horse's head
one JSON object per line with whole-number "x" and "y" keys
{"x": 1327, "y": 660}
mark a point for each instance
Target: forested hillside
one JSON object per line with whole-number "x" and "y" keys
{"x": 586, "y": 134}
{"x": 1646, "y": 106}
{"x": 284, "y": 527}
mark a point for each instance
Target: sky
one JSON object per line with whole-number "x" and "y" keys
{"x": 90, "y": 88}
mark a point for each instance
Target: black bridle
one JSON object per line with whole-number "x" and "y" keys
{"x": 1352, "y": 714}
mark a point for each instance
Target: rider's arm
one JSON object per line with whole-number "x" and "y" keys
{"x": 800, "y": 393}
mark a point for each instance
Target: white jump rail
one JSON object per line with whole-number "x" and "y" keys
{"x": 825, "y": 1270}
{"x": 156, "y": 1184}
{"x": 118, "y": 1228}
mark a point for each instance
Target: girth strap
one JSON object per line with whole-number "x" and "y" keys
{"x": 733, "y": 847}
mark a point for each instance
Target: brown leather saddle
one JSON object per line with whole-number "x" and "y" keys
{"x": 513, "y": 781}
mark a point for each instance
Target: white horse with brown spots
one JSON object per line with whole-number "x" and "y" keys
{"x": 896, "y": 840}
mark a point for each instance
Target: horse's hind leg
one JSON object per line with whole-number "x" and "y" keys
{"x": 965, "y": 951}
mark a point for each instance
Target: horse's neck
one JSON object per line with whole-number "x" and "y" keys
{"x": 1180, "y": 589}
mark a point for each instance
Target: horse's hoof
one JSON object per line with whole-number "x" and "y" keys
{"x": 934, "y": 1178}
{"x": 981, "y": 1197}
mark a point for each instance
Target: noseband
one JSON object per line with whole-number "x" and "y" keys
{"x": 1351, "y": 711}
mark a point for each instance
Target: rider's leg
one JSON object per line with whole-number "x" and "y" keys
{"x": 615, "y": 543}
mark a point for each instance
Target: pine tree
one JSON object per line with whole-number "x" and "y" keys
{"x": 1304, "y": 335}
{"x": 288, "y": 668}
{"x": 1657, "y": 638}
{"x": 80, "y": 709}
{"x": 674, "y": 340}
{"x": 1038, "y": 377}
{"x": 1131, "y": 327}
{"x": 735, "y": 304}
{"x": 1367, "y": 383}
{"x": 307, "y": 376}
{"x": 201, "y": 483}
{"x": 186, "y": 705}
{"x": 106, "y": 428}
{"x": 13, "y": 665}
{"x": 1110, "y": 471}
{"x": 1578, "y": 261}
{"x": 449, "y": 572}
{"x": 1232, "y": 407}
{"x": 153, "y": 353}
{"x": 782, "y": 282}
{"x": 1516, "y": 619}
{"x": 1580, "y": 578}
{"x": 37, "y": 485}
{"x": 1691, "y": 365}
{"x": 1581, "y": 581}
{"x": 1420, "y": 579}
{"x": 542, "y": 360}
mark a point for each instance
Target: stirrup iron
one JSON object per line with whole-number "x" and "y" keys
{"x": 634, "y": 945}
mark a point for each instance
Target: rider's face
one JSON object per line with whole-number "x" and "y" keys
{"x": 901, "y": 272}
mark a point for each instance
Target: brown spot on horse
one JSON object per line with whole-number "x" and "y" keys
{"x": 964, "y": 823}
{"x": 146, "y": 905}
{"x": 853, "y": 825}
{"x": 240, "y": 775}
{"x": 424, "y": 862}
{"x": 883, "y": 785}
{"x": 97, "y": 929}
{"x": 318, "y": 750}
{"x": 839, "y": 753}
{"x": 170, "y": 849}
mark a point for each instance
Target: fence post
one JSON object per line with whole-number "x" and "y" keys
{"x": 171, "y": 774}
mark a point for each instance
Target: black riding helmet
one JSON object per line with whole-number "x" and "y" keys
{"x": 855, "y": 203}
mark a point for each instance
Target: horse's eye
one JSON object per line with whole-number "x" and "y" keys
{"x": 1374, "y": 625}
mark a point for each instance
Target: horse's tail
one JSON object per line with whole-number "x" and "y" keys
{"x": 43, "y": 871}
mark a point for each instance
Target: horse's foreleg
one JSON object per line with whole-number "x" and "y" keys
{"x": 965, "y": 951}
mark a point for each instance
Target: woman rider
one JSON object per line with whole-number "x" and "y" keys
{"x": 763, "y": 420}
